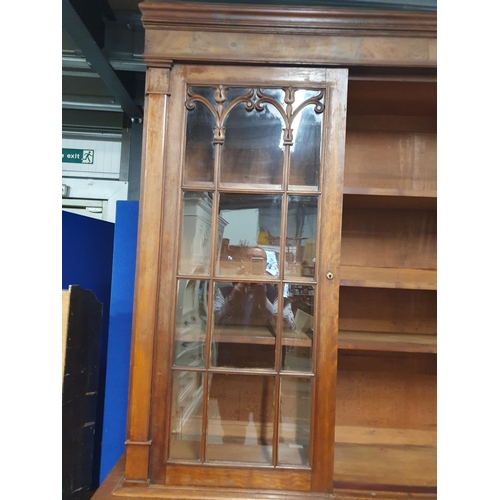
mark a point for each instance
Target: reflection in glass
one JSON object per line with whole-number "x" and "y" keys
{"x": 240, "y": 418}
{"x": 244, "y": 334}
{"x": 186, "y": 416}
{"x": 297, "y": 351}
{"x": 199, "y": 157}
{"x": 301, "y": 230}
{"x": 250, "y": 221}
{"x": 194, "y": 255}
{"x": 295, "y": 421}
{"x": 252, "y": 152}
{"x": 190, "y": 323}
{"x": 305, "y": 153}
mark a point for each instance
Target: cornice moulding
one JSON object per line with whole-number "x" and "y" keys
{"x": 286, "y": 20}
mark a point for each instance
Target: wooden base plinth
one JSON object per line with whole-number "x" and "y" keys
{"x": 113, "y": 489}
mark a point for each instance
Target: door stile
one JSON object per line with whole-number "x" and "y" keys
{"x": 330, "y": 216}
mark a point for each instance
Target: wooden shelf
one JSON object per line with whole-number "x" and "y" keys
{"x": 243, "y": 335}
{"x": 388, "y": 342}
{"x": 403, "y": 465}
{"x": 258, "y": 335}
{"x": 246, "y": 335}
{"x": 355, "y": 197}
{"x": 388, "y": 277}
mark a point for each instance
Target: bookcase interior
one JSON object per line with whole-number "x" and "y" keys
{"x": 387, "y": 341}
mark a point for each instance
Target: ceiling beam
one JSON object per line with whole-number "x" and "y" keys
{"x": 98, "y": 62}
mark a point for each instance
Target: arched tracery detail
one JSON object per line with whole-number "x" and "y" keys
{"x": 255, "y": 99}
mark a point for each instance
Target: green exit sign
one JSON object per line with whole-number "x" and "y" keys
{"x": 77, "y": 155}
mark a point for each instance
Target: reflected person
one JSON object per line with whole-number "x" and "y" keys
{"x": 253, "y": 304}
{"x": 245, "y": 397}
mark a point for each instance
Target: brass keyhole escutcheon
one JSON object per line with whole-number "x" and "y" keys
{"x": 329, "y": 275}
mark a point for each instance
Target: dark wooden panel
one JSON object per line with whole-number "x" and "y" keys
{"x": 80, "y": 392}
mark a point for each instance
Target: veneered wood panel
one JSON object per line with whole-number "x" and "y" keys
{"x": 201, "y": 46}
{"x": 228, "y": 477}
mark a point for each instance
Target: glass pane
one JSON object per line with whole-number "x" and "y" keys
{"x": 297, "y": 352}
{"x": 252, "y": 152}
{"x": 295, "y": 421}
{"x": 244, "y": 333}
{"x": 199, "y": 161}
{"x": 305, "y": 152}
{"x": 240, "y": 418}
{"x": 301, "y": 230}
{"x": 186, "y": 416}
{"x": 194, "y": 257}
{"x": 249, "y": 221}
{"x": 190, "y": 323}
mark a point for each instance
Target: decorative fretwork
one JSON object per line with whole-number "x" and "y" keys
{"x": 255, "y": 99}
{"x": 221, "y": 112}
{"x": 288, "y": 114}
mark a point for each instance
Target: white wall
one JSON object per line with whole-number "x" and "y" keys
{"x": 92, "y": 189}
{"x": 106, "y": 163}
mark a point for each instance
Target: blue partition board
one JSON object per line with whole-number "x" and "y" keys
{"x": 119, "y": 337}
{"x": 87, "y": 256}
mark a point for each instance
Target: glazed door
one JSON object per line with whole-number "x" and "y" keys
{"x": 245, "y": 346}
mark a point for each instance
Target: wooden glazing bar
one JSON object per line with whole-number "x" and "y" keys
{"x": 277, "y": 406}
{"x": 187, "y": 369}
{"x": 201, "y": 187}
{"x": 251, "y": 188}
{"x": 279, "y": 325}
{"x": 243, "y": 371}
{"x": 208, "y": 339}
{"x": 247, "y": 187}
